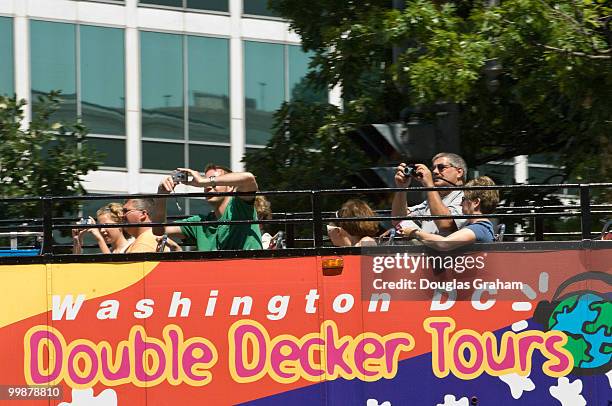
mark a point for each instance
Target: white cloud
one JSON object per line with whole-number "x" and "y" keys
{"x": 518, "y": 384}
{"x": 85, "y": 397}
{"x": 374, "y": 402}
{"x": 450, "y": 400}
{"x": 520, "y": 326}
{"x": 568, "y": 393}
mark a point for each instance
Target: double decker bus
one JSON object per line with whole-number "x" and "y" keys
{"x": 523, "y": 322}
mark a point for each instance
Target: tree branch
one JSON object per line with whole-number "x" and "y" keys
{"x": 568, "y": 17}
{"x": 577, "y": 53}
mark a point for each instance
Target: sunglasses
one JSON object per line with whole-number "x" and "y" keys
{"x": 126, "y": 210}
{"x": 332, "y": 224}
{"x": 441, "y": 167}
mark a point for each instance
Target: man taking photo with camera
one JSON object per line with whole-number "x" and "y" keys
{"x": 447, "y": 169}
{"x": 225, "y": 208}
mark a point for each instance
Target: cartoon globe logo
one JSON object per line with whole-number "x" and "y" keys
{"x": 584, "y": 317}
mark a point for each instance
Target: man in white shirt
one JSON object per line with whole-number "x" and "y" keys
{"x": 447, "y": 169}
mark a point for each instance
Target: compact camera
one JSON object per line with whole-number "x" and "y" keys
{"x": 83, "y": 221}
{"x": 162, "y": 244}
{"x": 410, "y": 170}
{"x": 179, "y": 177}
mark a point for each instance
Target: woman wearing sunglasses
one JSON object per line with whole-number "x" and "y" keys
{"x": 116, "y": 237}
{"x": 478, "y": 229}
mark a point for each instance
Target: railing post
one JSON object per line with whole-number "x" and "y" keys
{"x": 289, "y": 230}
{"x": 585, "y": 212}
{"x": 47, "y": 207}
{"x": 317, "y": 221}
{"x": 539, "y": 227}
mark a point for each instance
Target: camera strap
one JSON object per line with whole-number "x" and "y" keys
{"x": 447, "y": 181}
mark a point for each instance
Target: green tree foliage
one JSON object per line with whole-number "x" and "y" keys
{"x": 529, "y": 76}
{"x": 44, "y": 158}
{"x": 303, "y": 154}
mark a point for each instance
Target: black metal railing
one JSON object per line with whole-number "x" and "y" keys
{"x": 316, "y": 218}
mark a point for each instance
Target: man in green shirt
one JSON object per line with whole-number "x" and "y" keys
{"x": 225, "y": 208}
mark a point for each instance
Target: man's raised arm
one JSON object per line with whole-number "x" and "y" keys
{"x": 399, "y": 204}
{"x": 165, "y": 187}
{"x": 240, "y": 181}
{"x": 436, "y": 205}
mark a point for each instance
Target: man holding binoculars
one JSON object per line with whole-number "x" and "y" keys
{"x": 447, "y": 169}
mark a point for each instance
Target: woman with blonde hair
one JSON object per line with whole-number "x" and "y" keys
{"x": 478, "y": 229}
{"x": 353, "y": 233}
{"x": 118, "y": 239}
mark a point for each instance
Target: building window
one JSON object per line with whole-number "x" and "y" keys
{"x": 258, "y": 8}
{"x": 168, "y": 3}
{"x": 207, "y": 5}
{"x": 264, "y": 88}
{"x": 185, "y": 101}
{"x": 53, "y": 64}
{"x": 102, "y": 80}
{"x": 87, "y": 64}
{"x": 208, "y": 89}
{"x": 299, "y": 88}
{"x": 7, "y": 81}
{"x": 104, "y": 1}
{"x": 274, "y": 73}
{"x": 162, "y": 85}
